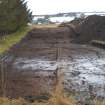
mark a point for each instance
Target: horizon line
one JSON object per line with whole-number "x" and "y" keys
{"x": 68, "y": 12}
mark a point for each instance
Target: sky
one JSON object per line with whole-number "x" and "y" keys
{"x": 40, "y": 7}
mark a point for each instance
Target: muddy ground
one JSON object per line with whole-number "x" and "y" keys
{"x": 31, "y": 67}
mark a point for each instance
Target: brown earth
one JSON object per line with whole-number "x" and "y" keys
{"x": 39, "y": 44}
{"x": 32, "y": 66}
{"x": 87, "y": 29}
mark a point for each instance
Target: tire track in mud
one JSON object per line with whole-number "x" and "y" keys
{"x": 33, "y": 65}
{"x": 32, "y": 62}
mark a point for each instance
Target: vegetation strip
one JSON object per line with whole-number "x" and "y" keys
{"x": 9, "y": 40}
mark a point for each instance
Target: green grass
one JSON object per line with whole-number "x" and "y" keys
{"x": 9, "y": 40}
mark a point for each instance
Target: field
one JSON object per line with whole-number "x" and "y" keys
{"x": 36, "y": 62}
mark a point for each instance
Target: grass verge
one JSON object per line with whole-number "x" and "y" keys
{"x": 9, "y": 40}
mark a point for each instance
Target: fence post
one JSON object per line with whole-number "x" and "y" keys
{"x": 3, "y": 84}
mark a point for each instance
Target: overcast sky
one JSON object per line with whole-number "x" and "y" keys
{"x": 56, "y": 6}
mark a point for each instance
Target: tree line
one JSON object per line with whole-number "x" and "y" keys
{"x": 14, "y": 14}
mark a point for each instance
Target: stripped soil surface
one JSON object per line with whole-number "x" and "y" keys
{"x": 31, "y": 67}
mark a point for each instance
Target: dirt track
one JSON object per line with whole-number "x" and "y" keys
{"x": 31, "y": 65}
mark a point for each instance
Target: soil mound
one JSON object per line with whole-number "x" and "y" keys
{"x": 87, "y": 29}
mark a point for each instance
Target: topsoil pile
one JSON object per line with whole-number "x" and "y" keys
{"x": 87, "y": 29}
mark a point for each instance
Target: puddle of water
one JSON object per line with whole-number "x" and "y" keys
{"x": 34, "y": 64}
{"x": 85, "y": 73}
{"x": 94, "y": 79}
{"x": 80, "y": 73}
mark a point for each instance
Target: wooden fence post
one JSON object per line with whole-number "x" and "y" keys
{"x": 3, "y": 79}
